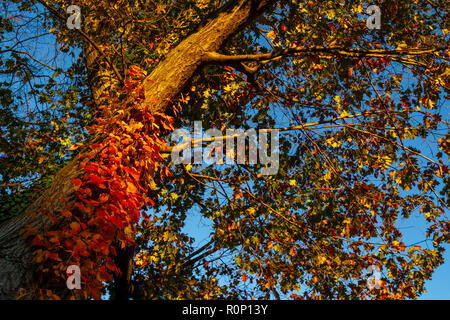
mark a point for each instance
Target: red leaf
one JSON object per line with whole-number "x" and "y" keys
{"x": 77, "y": 182}
{"x": 37, "y": 241}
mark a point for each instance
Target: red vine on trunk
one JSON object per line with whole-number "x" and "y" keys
{"x": 109, "y": 196}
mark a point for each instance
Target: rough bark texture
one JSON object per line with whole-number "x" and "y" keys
{"x": 166, "y": 81}
{"x": 15, "y": 253}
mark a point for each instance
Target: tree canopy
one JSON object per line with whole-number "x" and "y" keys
{"x": 87, "y": 170}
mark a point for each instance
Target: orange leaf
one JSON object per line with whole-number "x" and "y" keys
{"x": 66, "y": 213}
{"x": 131, "y": 188}
{"x": 292, "y": 252}
{"x": 103, "y": 197}
{"x": 74, "y": 146}
{"x": 75, "y": 226}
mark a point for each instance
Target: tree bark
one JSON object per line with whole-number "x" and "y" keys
{"x": 161, "y": 85}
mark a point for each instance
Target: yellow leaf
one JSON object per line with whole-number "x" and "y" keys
{"x": 337, "y": 99}
{"x": 271, "y": 34}
{"x": 344, "y": 114}
{"x": 402, "y": 46}
{"x": 227, "y": 88}
{"x": 321, "y": 259}
{"x": 207, "y": 93}
{"x": 137, "y": 126}
{"x": 160, "y": 8}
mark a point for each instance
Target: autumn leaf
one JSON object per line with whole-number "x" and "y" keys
{"x": 75, "y": 226}
{"x": 131, "y": 188}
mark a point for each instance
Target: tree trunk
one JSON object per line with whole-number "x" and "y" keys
{"x": 163, "y": 84}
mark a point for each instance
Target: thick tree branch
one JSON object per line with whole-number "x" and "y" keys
{"x": 215, "y": 57}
